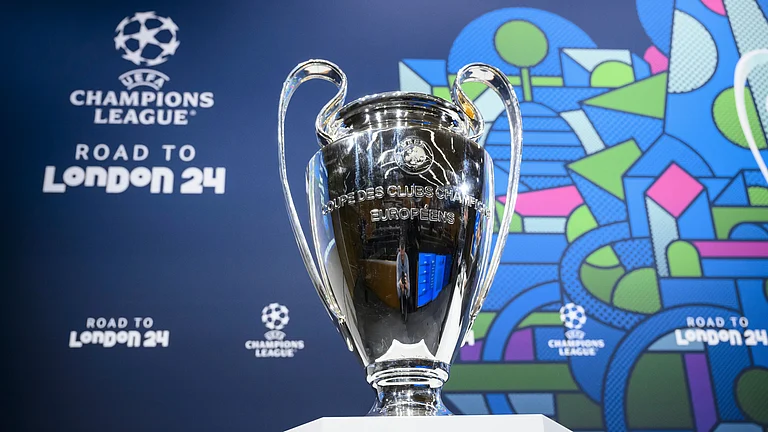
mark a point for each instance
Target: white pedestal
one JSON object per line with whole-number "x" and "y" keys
{"x": 457, "y": 423}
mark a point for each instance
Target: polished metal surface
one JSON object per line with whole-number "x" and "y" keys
{"x": 402, "y": 212}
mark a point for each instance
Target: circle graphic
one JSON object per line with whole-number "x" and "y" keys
{"x": 146, "y": 39}
{"x": 275, "y": 316}
{"x": 573, "y": 316}
{"x": 413, "y": 155}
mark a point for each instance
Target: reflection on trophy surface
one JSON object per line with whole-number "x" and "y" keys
{"x": 402, "y": 212}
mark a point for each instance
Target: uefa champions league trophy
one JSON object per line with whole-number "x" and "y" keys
{"x": 402, "y": 210}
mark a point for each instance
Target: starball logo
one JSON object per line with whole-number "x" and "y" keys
{"x": 574, "y": 317}
{"x": 275, "y": 317}
{"x": 144, "y": 39}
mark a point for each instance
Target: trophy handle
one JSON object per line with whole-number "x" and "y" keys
{"x": 745, "y": 65}
{"x": 495, "y": 79}
{"x": 306, "y": 71}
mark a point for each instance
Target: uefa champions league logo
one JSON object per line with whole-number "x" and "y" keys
{"x": 147, "y": 39}
{"x": 275, "y": 317}
{"x": 574, "y": 317}
{"x": 413, "y": 155}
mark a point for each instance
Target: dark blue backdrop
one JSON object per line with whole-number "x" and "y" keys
{"x": 202, "y": 266}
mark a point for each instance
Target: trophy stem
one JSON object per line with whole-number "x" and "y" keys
{"x": 408, "y": 388}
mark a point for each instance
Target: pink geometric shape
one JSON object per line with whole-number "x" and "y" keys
{"x": 715, "y": 6}
{"x": 548, "y": 202}
{"x": 732, "y": 249}
{"x": 520, "y": 346}
{"x": 658, "y": 61}
{"x": 675, "y": 190}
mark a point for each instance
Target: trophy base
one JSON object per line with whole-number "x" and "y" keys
{"x": 408, "y": 387}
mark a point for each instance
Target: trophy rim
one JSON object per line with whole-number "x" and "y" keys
{"x": 339, "y": 141}
{"x": 421, "y": 101}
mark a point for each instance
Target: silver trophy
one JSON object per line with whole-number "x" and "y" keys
{"x": 401, "y": 207}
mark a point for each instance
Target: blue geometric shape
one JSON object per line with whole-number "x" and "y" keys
{"x": 714, "y": 185}
{"x": 696, "y": 221}
{"x": 512, "y": 279}
{"x": 692, "y": 291}
{"x": 560, "y": 32}
{"x": 529, "y": 109}
{"x": 630, "y": 349}
{"x": 605, "y": 207}
{"x": 728, "y": 267}
{"x": 501, "y": 138}
{"x": 499, "y": 404}
{"x": 541, "y": 337}
{"x": 589, "y": 372}
{"x": 641, "y": 67}
{"x": 615, "y": 127}
{"x": 565, "y": 98}
{"x": 533, "y": 403}
{"x": 574, "y": 75}
{"x": 735, "y": 194}
{"x": 726, "y": 362}
{"x": 656, "y": 19}
{"x": 432, "y": 71}
{"x": 539, "y": 168}
{"x": 755, "y": 308}
{"x": 634, "y": 254}
{"x": 549, "y": 138}
{"x": 634, "y": 192}
{"x": 754, "y": 178}
{"x": 547, "y": 153}
{"x": 548, "y": 248}
{"x": 662, "y": 153}
{"x": 514, "y": 312}
{"x": 749, "y": 231}
{"x": 544, "y": 182}
{"x": 470, "y": 404}
{"x": 551, "y": 124}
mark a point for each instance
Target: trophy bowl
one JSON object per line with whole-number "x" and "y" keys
{"x": 402, "y": 208}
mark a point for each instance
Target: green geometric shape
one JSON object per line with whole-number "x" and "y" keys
{"x": 726, "y": 218}
{"x": 612, "y": 74}
{"x": 515, "y": 226}
{"x": 581, "y": 221}
{"x": 606, "y": 167}
{"x": 543, "y": 81}
{"x": 541, "y": 319}
{"x": 521, "y": 43}
{"x": 511, "y": 377}
{"x": 600, "y": 281}
{"x": 766, "y": 289}
{"x": 482, "y": 323}
{"x": 657, "y": 397}
{"x": 758, "y": 196}
{"x": 752, "y": 394}
{"x": 442, "y": 92}
{"x": 576, "y": 411}
{"x": 645, "y": 97}
{"x": 683, "y": 260}
{"x": 638, "y": 291}
{"x": 727, "y": 121}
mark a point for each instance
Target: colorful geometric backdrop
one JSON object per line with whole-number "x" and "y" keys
{"x": 633, "y": 293}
